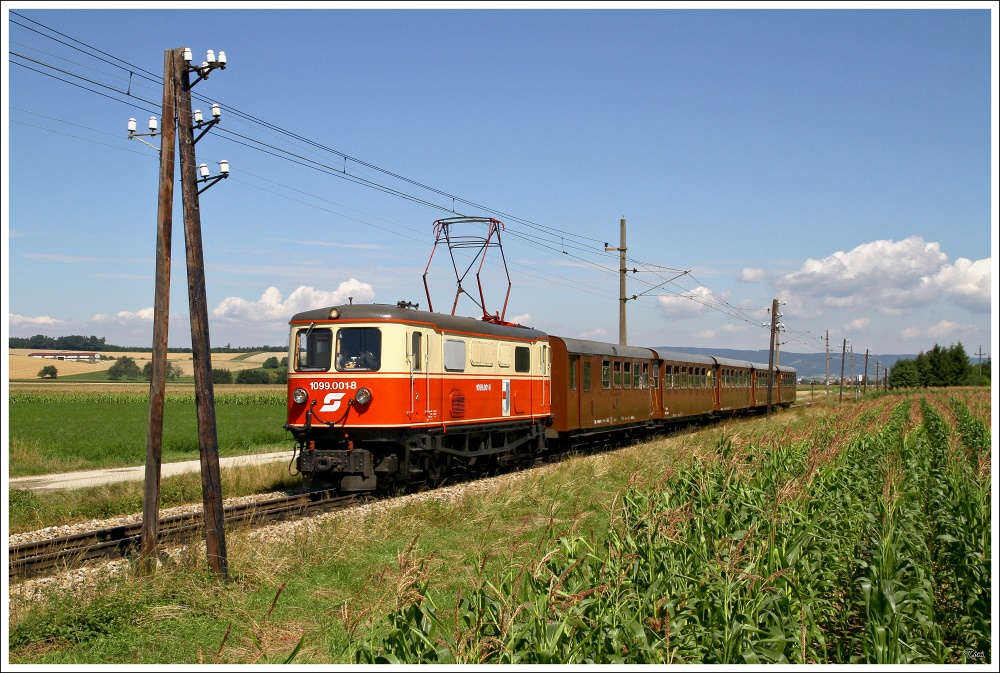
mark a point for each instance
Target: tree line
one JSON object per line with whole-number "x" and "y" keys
{"x": 939, "y": 367}
{"x": 78, "y": 342}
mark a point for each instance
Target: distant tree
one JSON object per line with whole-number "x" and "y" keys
{"x": 284, "y": 362}
{"x": 904, "y": 374}
{"x": 222, "y": 376}
{"x": 271, "y": 363}
{"x": 174, "y": 371}
{"x": 281, "y": 376}
{"x": 126, "y": 368}
{"x": 49, "y": 371}
{"x": 253, "y": 376}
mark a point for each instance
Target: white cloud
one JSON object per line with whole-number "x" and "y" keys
{"x": 271, "y": 306}
{"x": 523, "y": 319}
{"x": 943, "y": 331}
{"x": 691, "y": 304}
{"x": 20, "y": 320}
{"x": 594, "y": 334}
{"x": 857, "y": 325}
{"x": 893, "y": 276}
{"x": 734, "y": 328}
{"x": 750, "y": 275}
{"x": 705, "y": 334}
{"x": 142, "y": 315}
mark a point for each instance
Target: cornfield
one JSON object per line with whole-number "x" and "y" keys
{"x": 865, "y": 539}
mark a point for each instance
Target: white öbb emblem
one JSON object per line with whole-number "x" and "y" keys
{"x": 332, "y": 401}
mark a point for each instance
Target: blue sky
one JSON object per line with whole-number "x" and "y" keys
{"x": 840, "y": 160}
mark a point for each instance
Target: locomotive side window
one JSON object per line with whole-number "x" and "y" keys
{"x": 359, "y": 349}
{"x": 313, "y": 350}
{"x": 454, "y": 355}
{"x": 606, "y": 374}
{"x": 416, "y": 352}
{"x": 522, "y": 359}
{"x": 586, "y": 375}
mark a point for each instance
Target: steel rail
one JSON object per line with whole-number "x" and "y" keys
{"x": 32, "y": 559}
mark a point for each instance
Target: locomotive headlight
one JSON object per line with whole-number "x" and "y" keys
{"x": 363, "y": 396}
{"x": 299, "y": 396}
{"x": 334, "y": 313}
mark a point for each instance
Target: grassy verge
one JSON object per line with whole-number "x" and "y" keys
{"x": 746, "y": 541}
{"x": 29, "y": 510}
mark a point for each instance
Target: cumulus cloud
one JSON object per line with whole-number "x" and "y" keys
{"x": 943, "y": 331}
{"x": 857, "y": 325}
{"x": 142, "y": 315}
{"x": 271, "y": 306}
{"x": 749, "y": 275}
{"x": 21, "y": 320}
{"x": 594, "y": 334}
{"x": 733, "y": 328}
{"x": 523, "y": 319}
{"x": 894, "y": 276}
{"x": 691, "y": 304}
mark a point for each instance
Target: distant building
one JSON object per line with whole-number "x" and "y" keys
{"x": 72, "y": 356}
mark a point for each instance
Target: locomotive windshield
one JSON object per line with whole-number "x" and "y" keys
{"x": 313, "y": 348}
{"x": 359, "y": 349}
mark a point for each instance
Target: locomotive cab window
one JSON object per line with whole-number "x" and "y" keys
{"x": 359, "y": 349}
{"x": 312, "y": 349}
{"x": 522, "y": 359}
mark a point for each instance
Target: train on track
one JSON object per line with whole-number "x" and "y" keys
{"x": 382, "y": 394}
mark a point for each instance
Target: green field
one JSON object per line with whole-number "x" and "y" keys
{"x": 839, "y": 533}
{"x": 60, "y": 428}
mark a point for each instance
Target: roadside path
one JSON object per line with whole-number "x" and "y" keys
{"x": 54, "y": 482}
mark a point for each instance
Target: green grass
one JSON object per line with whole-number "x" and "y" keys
{"x": 48, "y": 435}
{"x": 750, "y": 540}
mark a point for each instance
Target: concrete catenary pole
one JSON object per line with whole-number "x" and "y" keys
{"x": 161, "y": 313}
{"x": 843, "y": 353}
{"x": 211, "y": 484}
{"x": 622, "y": 323}
{"x": 866, "y": 372}
{"x": 770, "y": 356}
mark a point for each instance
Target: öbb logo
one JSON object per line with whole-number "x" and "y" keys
{"x": 332, "y": 401}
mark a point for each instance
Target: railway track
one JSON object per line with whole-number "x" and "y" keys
{"x": 33, "y": 559}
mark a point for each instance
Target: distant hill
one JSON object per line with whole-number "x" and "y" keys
{"x": 807, "y": 365}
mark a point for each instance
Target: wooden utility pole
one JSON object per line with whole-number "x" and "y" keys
{"x": 980, "y": 362}
{"x": 161, "y": 314}
{"x": 211, "y": 484}
{"x": 770, "y": 356}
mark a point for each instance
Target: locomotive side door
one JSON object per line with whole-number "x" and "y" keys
{"x": 418, "y": 362}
